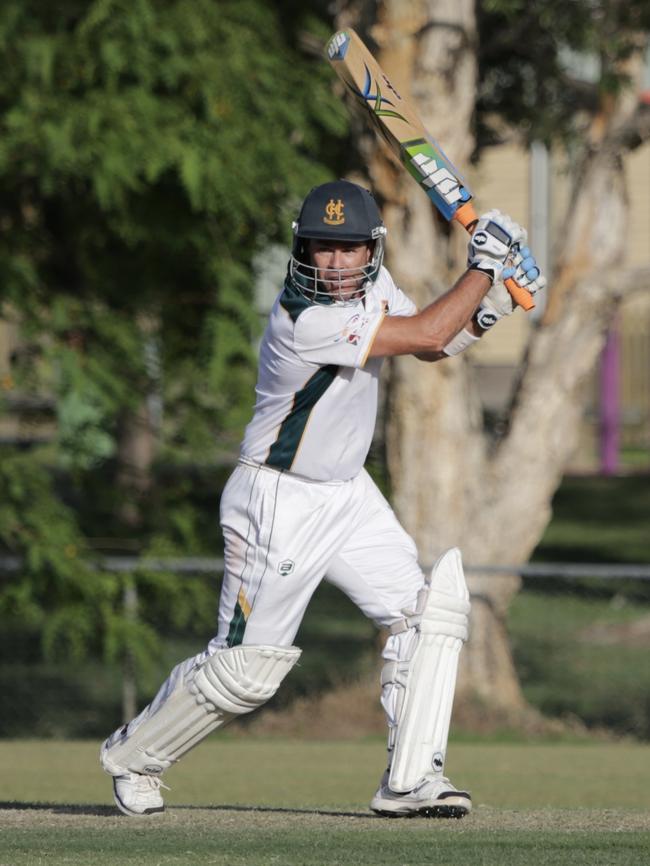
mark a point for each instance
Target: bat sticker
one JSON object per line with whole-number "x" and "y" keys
{"x": 368, "y": 97}
{"x": 338, "y": 46}
{"x": 428, "y": 166}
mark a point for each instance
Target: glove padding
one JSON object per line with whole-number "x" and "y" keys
{"x": 494, "y": 239}
{"x": 498, "y": 302}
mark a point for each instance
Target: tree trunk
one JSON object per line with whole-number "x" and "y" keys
{"x": 136, "y": 451}
{"x": 448, "y": 486}
{"x": 426, "y": 49}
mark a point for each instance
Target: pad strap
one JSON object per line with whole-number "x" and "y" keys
{"x": 411, "y": 618}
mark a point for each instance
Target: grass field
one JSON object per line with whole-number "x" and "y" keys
{"x": 239, "y": 801}
{"x": 261, "y": 802}
{"x": 598, "y": 519}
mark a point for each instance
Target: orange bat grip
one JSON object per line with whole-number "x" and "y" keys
{"x": 467, "y": 217}
{"x": 519, "y": 294}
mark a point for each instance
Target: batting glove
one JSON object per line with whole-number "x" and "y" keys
{"x": 498, "y": 302}
{"x": 495, "y": 237}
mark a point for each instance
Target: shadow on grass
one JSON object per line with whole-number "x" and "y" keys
{"x": 112, "y": 812}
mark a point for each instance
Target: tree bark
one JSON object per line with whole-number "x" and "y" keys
{"x": 427, "y": 48}
{"x": 449, "y": 486}
{"x": 437, "y": 455}
{"x": 137, "y": 444}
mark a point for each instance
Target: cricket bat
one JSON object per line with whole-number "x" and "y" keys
{"x": 399, "y": 125}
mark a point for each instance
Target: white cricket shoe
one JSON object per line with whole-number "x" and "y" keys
{"x": 136, "y": 794}
{"x": 432, "y": 797}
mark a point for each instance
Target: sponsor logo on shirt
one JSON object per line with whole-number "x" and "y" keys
{"x": 352, "y": 329}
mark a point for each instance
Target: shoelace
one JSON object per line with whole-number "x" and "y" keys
{"x": 153, "y": 782}
{"x": 426, "y": 780}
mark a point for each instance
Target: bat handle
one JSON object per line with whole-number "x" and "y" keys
{"x": 519, "y": 294}
{"x": 467, "y": 217}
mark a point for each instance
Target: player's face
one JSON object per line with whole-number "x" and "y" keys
{"x": 340, "y": 265}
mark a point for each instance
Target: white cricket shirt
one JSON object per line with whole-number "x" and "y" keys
{"x": 316, "y": 403}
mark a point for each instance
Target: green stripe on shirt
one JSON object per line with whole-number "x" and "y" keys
{"x": 283, "y": 451}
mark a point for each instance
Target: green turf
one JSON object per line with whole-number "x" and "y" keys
{"x": 598, "y": 519}
{"x": 573, "y": 658}
{"x": 237, "y": 771}
{"x": 232, "y": 839}
{"x": 251, "y": 801}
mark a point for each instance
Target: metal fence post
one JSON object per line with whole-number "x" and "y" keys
{"x": 129, "y": 681}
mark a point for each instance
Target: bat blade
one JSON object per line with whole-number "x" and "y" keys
{"x": 399, "y": 125}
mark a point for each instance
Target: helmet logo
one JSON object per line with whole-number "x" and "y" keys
{"x": 334, "y": 213}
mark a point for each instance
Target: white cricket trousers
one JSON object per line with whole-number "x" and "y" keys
{"x": 283, "y": 534}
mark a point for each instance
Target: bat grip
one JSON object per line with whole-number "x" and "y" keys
{"x": 519, "y": 294}
{"x": 467, "y": 217}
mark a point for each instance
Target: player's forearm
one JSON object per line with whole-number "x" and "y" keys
{"x": 448, "y": 315}
{"x": 427, "y": 333}
{"x": 450, "y": 312}
{"x": 470, "y": 327}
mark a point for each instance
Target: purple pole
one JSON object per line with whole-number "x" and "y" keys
{"x": 609, "y": 402}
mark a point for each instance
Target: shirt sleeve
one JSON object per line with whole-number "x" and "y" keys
{"x": 399, "y": 304}
{"x": 336, "y": 335}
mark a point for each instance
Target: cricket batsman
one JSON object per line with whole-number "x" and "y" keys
{"x": 299, "y": 507}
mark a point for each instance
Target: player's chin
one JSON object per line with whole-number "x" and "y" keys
{"x": 344, "y": 290}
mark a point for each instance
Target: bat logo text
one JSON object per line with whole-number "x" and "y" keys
{"x": 426, "y": 162}
{"x": 338, "y": 46}
{"x": 437, "y": 177}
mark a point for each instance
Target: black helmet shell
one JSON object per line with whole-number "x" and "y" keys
{"x": 339, "y": 210}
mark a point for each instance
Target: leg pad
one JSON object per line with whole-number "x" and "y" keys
{"x": 202, "y": 697}
{"x": 427, "y": 682}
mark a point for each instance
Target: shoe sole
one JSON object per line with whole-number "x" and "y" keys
{"x": 426, "y": 812}
{"x": 450, "y": 806}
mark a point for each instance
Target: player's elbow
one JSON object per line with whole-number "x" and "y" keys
{"x": 429, "y": 357}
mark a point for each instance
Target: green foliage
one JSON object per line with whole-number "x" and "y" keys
{"x": 148, "y": 150}
{"x": 54, "y": 591}
{"x": 527, "y": 58}
{"x": 74, "y": 609}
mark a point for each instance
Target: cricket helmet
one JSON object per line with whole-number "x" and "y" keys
{"x": 336, "y": 211}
